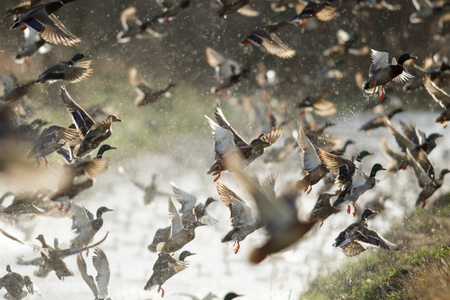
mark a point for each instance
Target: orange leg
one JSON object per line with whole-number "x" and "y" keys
{"x": 227, "y": 94}
{"x": 310, "y": 189}
{"x": 23, "y": 27}
{"x": 237, "y": 248}
{"x": 382, "y": 94}
{"x": 424, "y": 202}
{"x": 219, "y": 94}
{"x": 162, "y": 291}
{"x": 355, "y": 211}
{"x": 374, "y": 89}
{"x": 349, "y": 209}
{"x": 46, "y": 162}
{"x": 39, "y": 163}
{"x": 27, "y": 61}
{"x": 303, "y": 23}
{"x": 218, "y": 174}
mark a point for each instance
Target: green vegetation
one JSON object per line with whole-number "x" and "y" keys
{"x": 420, "y": 271}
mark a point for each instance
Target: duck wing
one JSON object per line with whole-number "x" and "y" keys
{"x": 176, "y": 225}
{"x": 82, "y": 120}
{"x": 275, "y": 46}
{"x": 241, "y": 214}
{"x": 311, "y": 159}
{"x": 422, "y": 175}
{"x": 101, "y": 264}
{"x": 87, "y": 278}
{"x": 439, "y": 95}
{"x": 186, "y": 200}
{"x": 54, "y": 31}
{"x": 379, "y": 60}
{"x": 273, "y": 135}
{"x": 402, "y": 141}
{"x": 222, "y": 121}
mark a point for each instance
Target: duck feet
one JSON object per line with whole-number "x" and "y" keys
{"x": 374, "y": 89}
{"x": 355, "y": 211}
{"x": 382, "y": 94}
{"x": 349, "y": 209}
{"x": 162, "y": 291}
{"x": 39, "y": 163}
{"x": 46, "y": 162}
{"x": 237, "y": 248}
{"x": 217, "y": 173}
{"x": 310, "y": 189}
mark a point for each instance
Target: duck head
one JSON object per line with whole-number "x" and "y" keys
{"x": 375, "y": 169}
{"x": 78, "y": 57}
{"x": 363, "y": 154}
{"x": 405, "y": 57}
{"x": 113, "y": 118}
{"x": 104, "y": 148}
{"x": 367, "y": 213}
{"x": 102, "y": 210}
{"x": 185, "y": 254}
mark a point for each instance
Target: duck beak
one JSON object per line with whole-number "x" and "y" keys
{"x": 413, "y": 57}
{"x": 113, "y": 148}
{"x": 109, "y": 209}
{"x": 119, "y": 120}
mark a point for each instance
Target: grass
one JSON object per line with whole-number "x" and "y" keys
{"x": 420, "y": 271}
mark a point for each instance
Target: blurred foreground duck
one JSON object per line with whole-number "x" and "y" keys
{"x": 380, "y": 120}
{"x": 228, "y": 72}
{"x": 52, "y": 139}
{"x": 232, "y": 6}
{"x": 228, "y": 141}
{"x": 172, "y": 9}
{"x": 32, "y": 43}
{"x": 11, "y": 90}
{"x": 41, "y": 19}
{"x": 241, "y": 217}
{"x": 146, "y": 95}
{"x": 53, "y": 258}
{"x": 279, "y": 215}
{"x": 14, "y": 283}
{"x": 308, "y": 9}
{"x": 164, "y": 268}
{"x": 132, "y": 27}
{"x": 441, "y": 97}
{"x": 92, "y": 133}
{"x": 424, "y": 171}
{"x": 265, "y": 38}
{"x": 381, "y": 72}
{"x": 99, "y": 287}
{"x": 318, "y": 104}
{"x": 22, "y": 7}
{"x": 351, "y": 238}
{"x": 73, "y": 70}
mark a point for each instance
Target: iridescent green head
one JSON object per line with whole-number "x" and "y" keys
{"x": 185, "y": 254}
{"x": 209, "y": 201}
{"x": 363, "y": 154}
{"x": 104, "y": 148}
{"x": 368, "y": 212}
{"x": 434, "y": 136}
{"x": 405, "y": 57}
{"x": 102, "y": 210}
{"x": 375, "y": 169}
{"x": 78, "y": 57}
{"x": 230, "y": 296}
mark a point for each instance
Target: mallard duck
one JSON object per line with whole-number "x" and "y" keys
{"x": 426, "y": 9}
{"x": 31, "y": 44}
{"x": 41, "y": 19}
{"x": 14, "y": 283}
{"x": 441, "y": 97}
{"x": 11, "y": 90}
{"x": 379, "y": 121}
{"x": 312, "y": 163}
{"x": 73, "y": 70}
{"x": 308, "y": 9}
{"x": 322, "y": 209}
{"x": 92, "y": 133}
{"x": 318, "y": 104}
{"x": 85, "y": 226}
{"x": 151, "y": 190}
{"x": 228, "y": 141}
{"x": 133, "y": 27}
{"x": 164, "y": 268}
{"x": 162, "y": 235}
{"x": 230, "y": 6}
{"x": 351, "y": 238}
{"x": 228, "y": 71}
{"x": 241, "y": 217}
{"x": 265, "y": 38}
{"x": 146, "y": 94}
{"x": 51, "y": 139}
{"x": 24, "y": 202}
{"x": 280, "y": 217}
{"x": 53, "y": 258}
{"x": 180, "y": 235}
{"x": 192, "y": 212}
{"x": 424, "y": 171}
{"x": 358, "y": 186}
{"x": 172, "y": 11}
{"x": 381, "y": 72}
{"x": 100, "y": 287}
{"x": 398, "y": 158}
{"x": 22, "y": 7}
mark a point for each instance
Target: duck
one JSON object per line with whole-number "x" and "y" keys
{"x": 14, "y": 283}
{"x": 424, "y": 171}
{"x": 132, "y": 27}
{"x": 41, "y": 19}
{"x": 227, "y": 141}
{"x": 99, "y": 287}
{"x": 51, "y": 139}
{"x": 265, "y": 38}
{"x": 11, "y": 90}
{"x": 180, "y": 235}
{"x": 322, "y": 209}
{"x": 171, "y": 12}
{"x": 359, "y": 185}
{"x": 228, "y": 71}
{"x": 85, "y": 226}
{"x": 230, "y": 6}
{"x": 164, "y": 268}
{"x": 381, "y": 72}
{"x": 441, "y": 97}
{"x": 378, "y": 122}
{"x": 308, "y": 9}
{"x": 24, "y": 202}
{"x": 92, "y": 133}
{"x": 32, "y": 43}
{"x": 318, "y": 104}
{"x": 73, "y": 70}
{"x": 351, "y": 238}
{"x": 280, "y": 217}
{"x": 146, "y": 95}
{"x": 312, "y": 163}
{"x": 151, "y": 190}
{"x": 53, "y": 258}
{"x": 241, "y": 217}
{"x": 397, "y": 158}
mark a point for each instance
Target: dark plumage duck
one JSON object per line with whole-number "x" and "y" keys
{"x": 441, "y": 97}
{"x": 92, "y": 133}
{"x": 14, "y": 283}
{"x": 73, "y": 70}
{"x": 228, "y": 141}
{"x": 85, "y": 226}
{"x": 32, "y": 43}
{"x": 22, "y": 7}
{"x": 164, "y": 268}
{"x": 230, "y": 6}
{"x": 323, "y": 209}
{"x": 308, "y": 9}
{"x": 382, "y": 72}
{"x": 351, "y": 238}
{"x": 318, "y": 104}
{"x": 380, "y": 121}
{"x": 132, "y": 27}
{"x": 424, "y": 171}
{"x": 41, "y": 19}
{"x": 100, "y": 287}
{"x": 265, "y": 38}
{"x": 53, "y": 258}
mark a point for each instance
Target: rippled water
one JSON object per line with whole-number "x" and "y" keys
{"x": 216, "y": 268}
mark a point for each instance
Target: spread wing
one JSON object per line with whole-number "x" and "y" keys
{"x": 175, "y": 219}
{"x": 222, "y": 121}
{"x": 310, "y": 157}
{"x": 101, "y": 264}
{"x": 82, "y": 120}
{"x": 438, "y": 95}
{"x": 87, "y": 278}
{"x": 241, "y": 214}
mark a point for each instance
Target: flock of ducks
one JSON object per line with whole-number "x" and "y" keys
{"x": 277, "y": 213}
